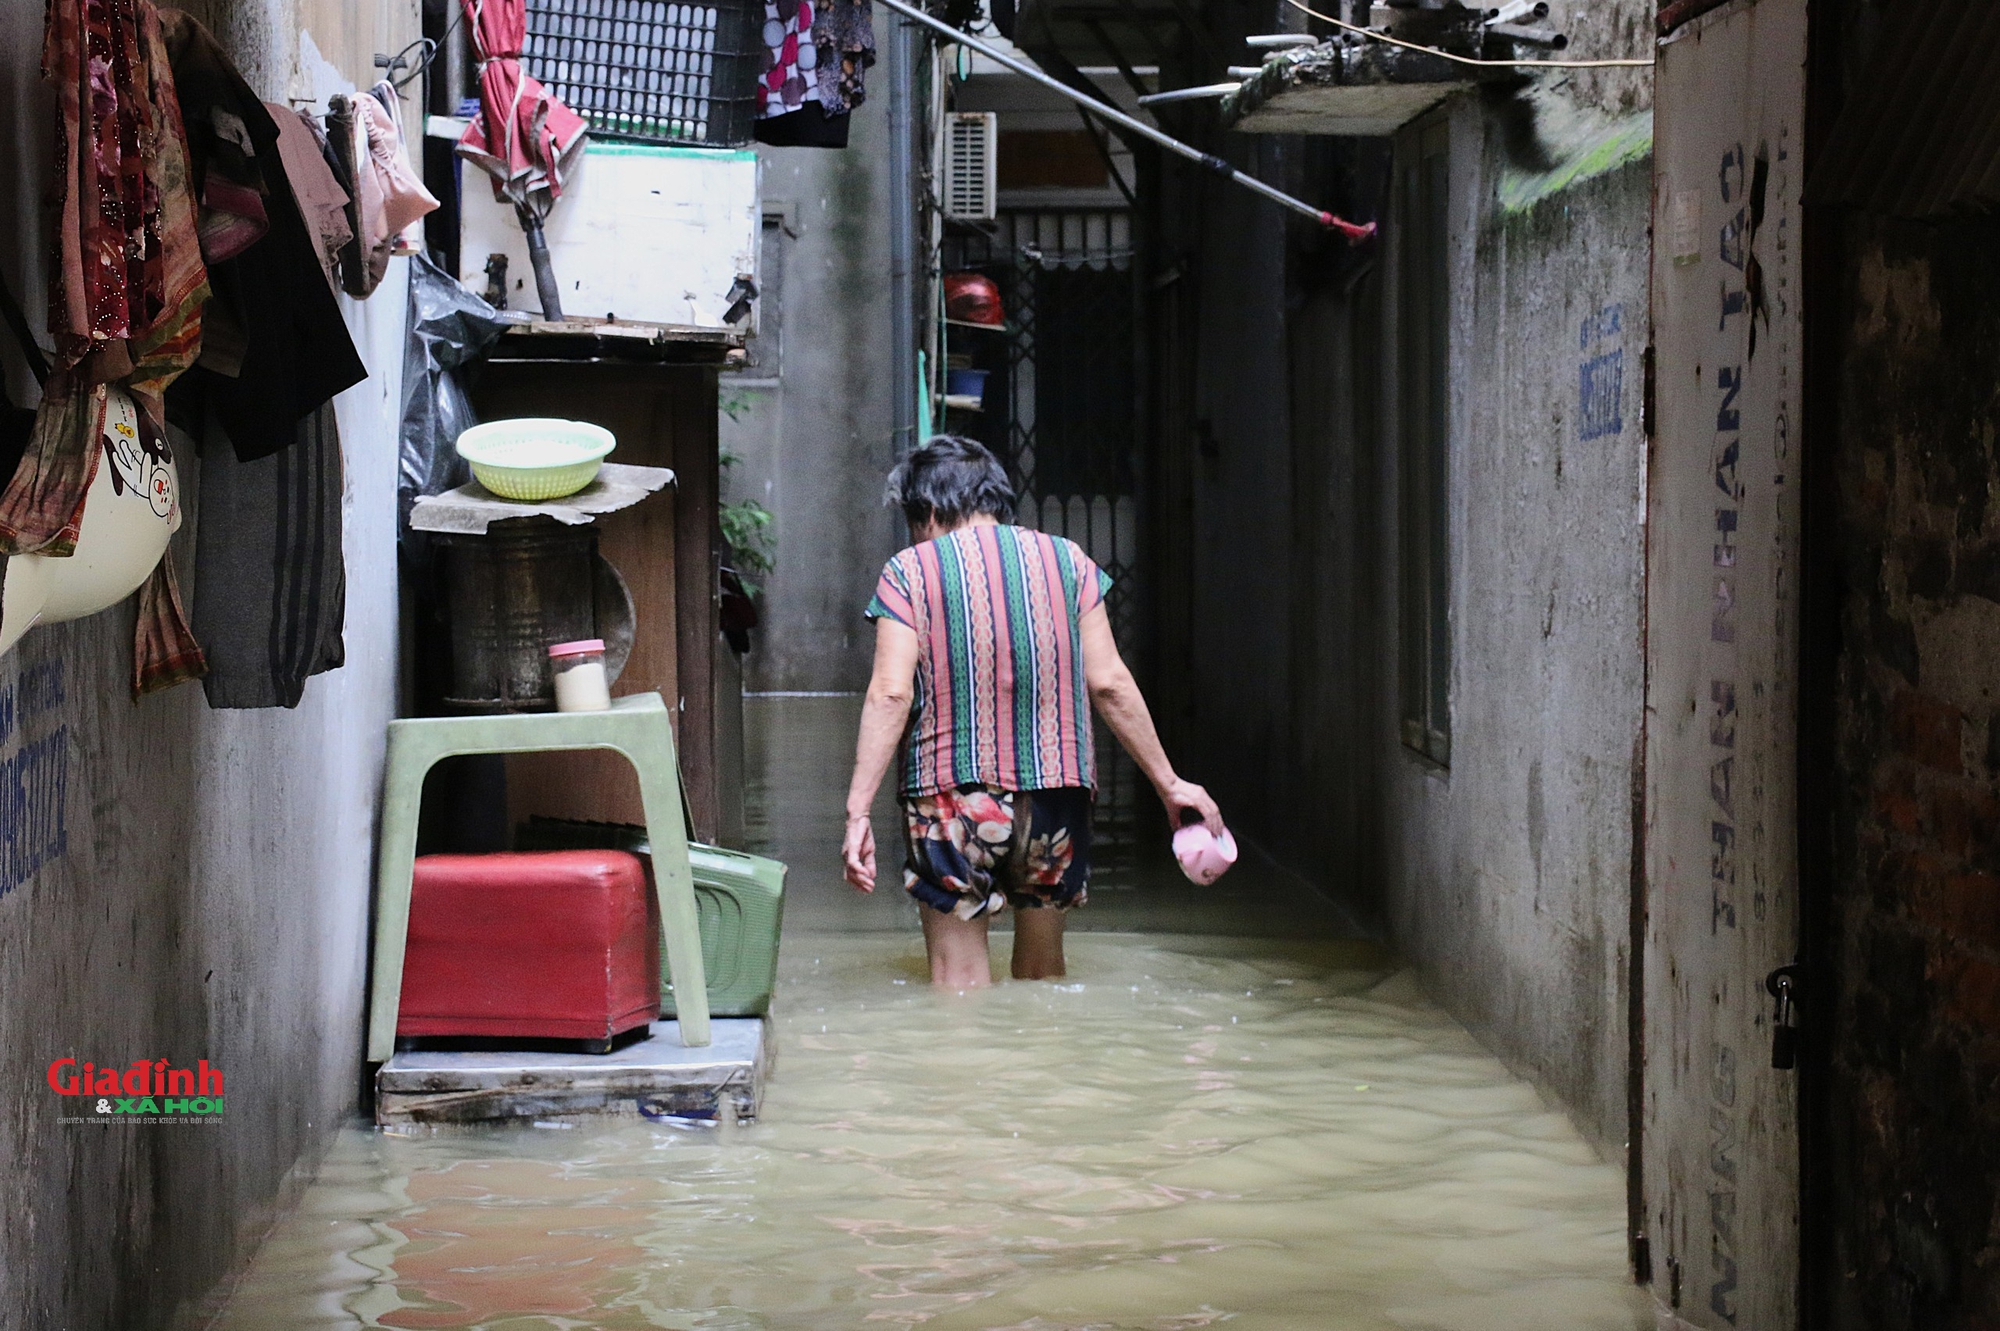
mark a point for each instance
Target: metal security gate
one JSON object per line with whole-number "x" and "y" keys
{"x": 1062, "y": 411}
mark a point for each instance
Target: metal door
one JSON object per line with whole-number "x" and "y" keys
{"x": 1720, "y": 1130}
{"x": 1061, "y": 409}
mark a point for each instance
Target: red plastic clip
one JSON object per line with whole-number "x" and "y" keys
{"x": 1355, "y": 232}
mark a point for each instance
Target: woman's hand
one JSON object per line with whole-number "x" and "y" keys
{"x": 857, "y": 853}
{"x": 1178, "y": 795}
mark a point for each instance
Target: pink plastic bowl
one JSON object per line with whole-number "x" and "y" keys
{"x": 1204, "y": 856}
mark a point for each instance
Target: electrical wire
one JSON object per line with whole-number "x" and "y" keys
{"x": 1355, "y": 233}
{"x": 1466, "y": 59}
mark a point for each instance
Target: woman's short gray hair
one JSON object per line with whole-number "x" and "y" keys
{"x": 950, "y": 479}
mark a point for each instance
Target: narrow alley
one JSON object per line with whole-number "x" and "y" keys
{"x": 1247, "y": 1116}
{"x": 1023, "y": 665}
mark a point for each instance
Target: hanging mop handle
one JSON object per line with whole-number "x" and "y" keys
{"x": 1355, "y": 232}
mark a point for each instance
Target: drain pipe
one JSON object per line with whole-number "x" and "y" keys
{"x": 1354, "y": 233}
{"x": 902, "y": 240}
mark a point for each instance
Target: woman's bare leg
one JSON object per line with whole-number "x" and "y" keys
{"x": 957, "y": 948}
{"x": 1038, "y": 943}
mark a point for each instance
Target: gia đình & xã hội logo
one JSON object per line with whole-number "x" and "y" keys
{"x": 148, "y": 1091}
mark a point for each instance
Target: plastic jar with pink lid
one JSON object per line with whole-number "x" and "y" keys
{"x": 578, "y": 668}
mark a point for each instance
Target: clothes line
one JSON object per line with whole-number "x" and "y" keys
{"x": 1355, "y": 232}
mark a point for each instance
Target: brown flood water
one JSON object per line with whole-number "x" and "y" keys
{"x": 1194, "y": 1130}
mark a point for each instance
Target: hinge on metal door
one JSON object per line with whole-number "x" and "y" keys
{"x": 1642, "y": 1260}
{"x": 1783, "y": 985}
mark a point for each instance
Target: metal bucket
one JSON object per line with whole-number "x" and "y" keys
{"x": 510, "y": 594}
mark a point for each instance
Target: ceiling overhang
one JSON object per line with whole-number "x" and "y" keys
{"x": 1357, "y": 87}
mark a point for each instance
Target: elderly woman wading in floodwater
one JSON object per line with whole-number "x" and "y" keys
{"x": 991, "y": 645}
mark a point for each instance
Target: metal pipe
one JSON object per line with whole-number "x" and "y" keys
{"x": 902, "y": 244}
{"x": 1355, "y": 233}
{"x": 1204, "y": 92}
{"x": 1280, "y": 41}
{"x": 1555, "y": 41}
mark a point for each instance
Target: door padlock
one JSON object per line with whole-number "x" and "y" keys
{"x": 1782, "y": 984}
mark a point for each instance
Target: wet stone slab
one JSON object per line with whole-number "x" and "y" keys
{"x": 656, "y": 1077}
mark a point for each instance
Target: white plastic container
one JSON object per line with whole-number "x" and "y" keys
{"x": 131, "y": 508}
{"x": 578, "y": 668}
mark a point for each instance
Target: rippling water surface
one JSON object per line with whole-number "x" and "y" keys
{"x": 1192, "y": 1132}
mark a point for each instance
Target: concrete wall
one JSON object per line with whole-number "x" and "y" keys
{"x": 1912, "y": 1158}
{"x": 814, "y": 438}
{"x": 179, "y": 883}
{"x": 1506, "y": 878}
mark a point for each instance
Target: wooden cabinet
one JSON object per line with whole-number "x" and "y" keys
{"x": 659, "y": 398}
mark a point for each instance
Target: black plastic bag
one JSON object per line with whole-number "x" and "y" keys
{"x": 449, "y": 327}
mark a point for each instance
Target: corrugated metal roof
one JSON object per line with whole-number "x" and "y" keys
{"x": 1919, "y": 135}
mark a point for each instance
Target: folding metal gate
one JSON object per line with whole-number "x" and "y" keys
{"x": 1062, "y": 411}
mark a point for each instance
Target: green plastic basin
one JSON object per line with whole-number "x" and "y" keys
{"x": 739, "y": 901}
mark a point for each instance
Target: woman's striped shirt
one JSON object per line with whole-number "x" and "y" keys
{"x": 1000, "y": 695}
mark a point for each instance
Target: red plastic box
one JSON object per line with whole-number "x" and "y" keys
{"x": 543, "y": 945}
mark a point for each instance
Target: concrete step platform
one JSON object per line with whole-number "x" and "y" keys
{"x": 656, "y": 1077}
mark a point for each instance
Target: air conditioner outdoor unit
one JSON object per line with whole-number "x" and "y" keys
{"x": 971, "y": 155}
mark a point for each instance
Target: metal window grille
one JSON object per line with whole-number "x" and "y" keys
{"x": 1424, "y": 474}
{"x": 651, "y": 70}
{"x": 971, "y": 140}
{"x": 1064, "y": 417}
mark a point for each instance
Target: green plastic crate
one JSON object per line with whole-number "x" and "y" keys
{"x": 739, "y": 898}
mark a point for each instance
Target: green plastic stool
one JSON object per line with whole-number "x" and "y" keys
{"x": 636, "y": 726}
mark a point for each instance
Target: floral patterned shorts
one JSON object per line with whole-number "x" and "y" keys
{"x": 975, "y": 849}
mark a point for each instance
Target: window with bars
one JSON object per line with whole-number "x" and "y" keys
{"x": 654, "y": 70}
{"x": 1423, "y": 444}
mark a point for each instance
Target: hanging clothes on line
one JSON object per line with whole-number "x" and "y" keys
{"x": 322, "y": 198}
{"x": 280, "y": 347}
{"x": 126, "y": 280}
{"x": 844, "y": 35}
{"x": 270, "y": 576}
{"x": 270, "y": 579}
{"x": 386, "y": 197}
{"x": 126, "y": 291}
{"x": 816, "y": 55}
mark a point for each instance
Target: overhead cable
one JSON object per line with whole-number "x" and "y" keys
{"x": 1373, "y": 35}
{"x": 1355, "y": 232}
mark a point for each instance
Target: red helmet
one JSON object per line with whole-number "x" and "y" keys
{"x": 972, "y": 298}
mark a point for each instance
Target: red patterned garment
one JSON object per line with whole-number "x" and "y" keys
{"x": 791, "y": 61}
{"x": 127, "y": 275}
{"x": 126, "y": 286}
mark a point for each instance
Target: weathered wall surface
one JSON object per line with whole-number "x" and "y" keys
{"x": 813, "y": 432}
{"x": 179, "y": 883}
{"x": 1508, "y": 876}
{"x": 1915, "y": 1123}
